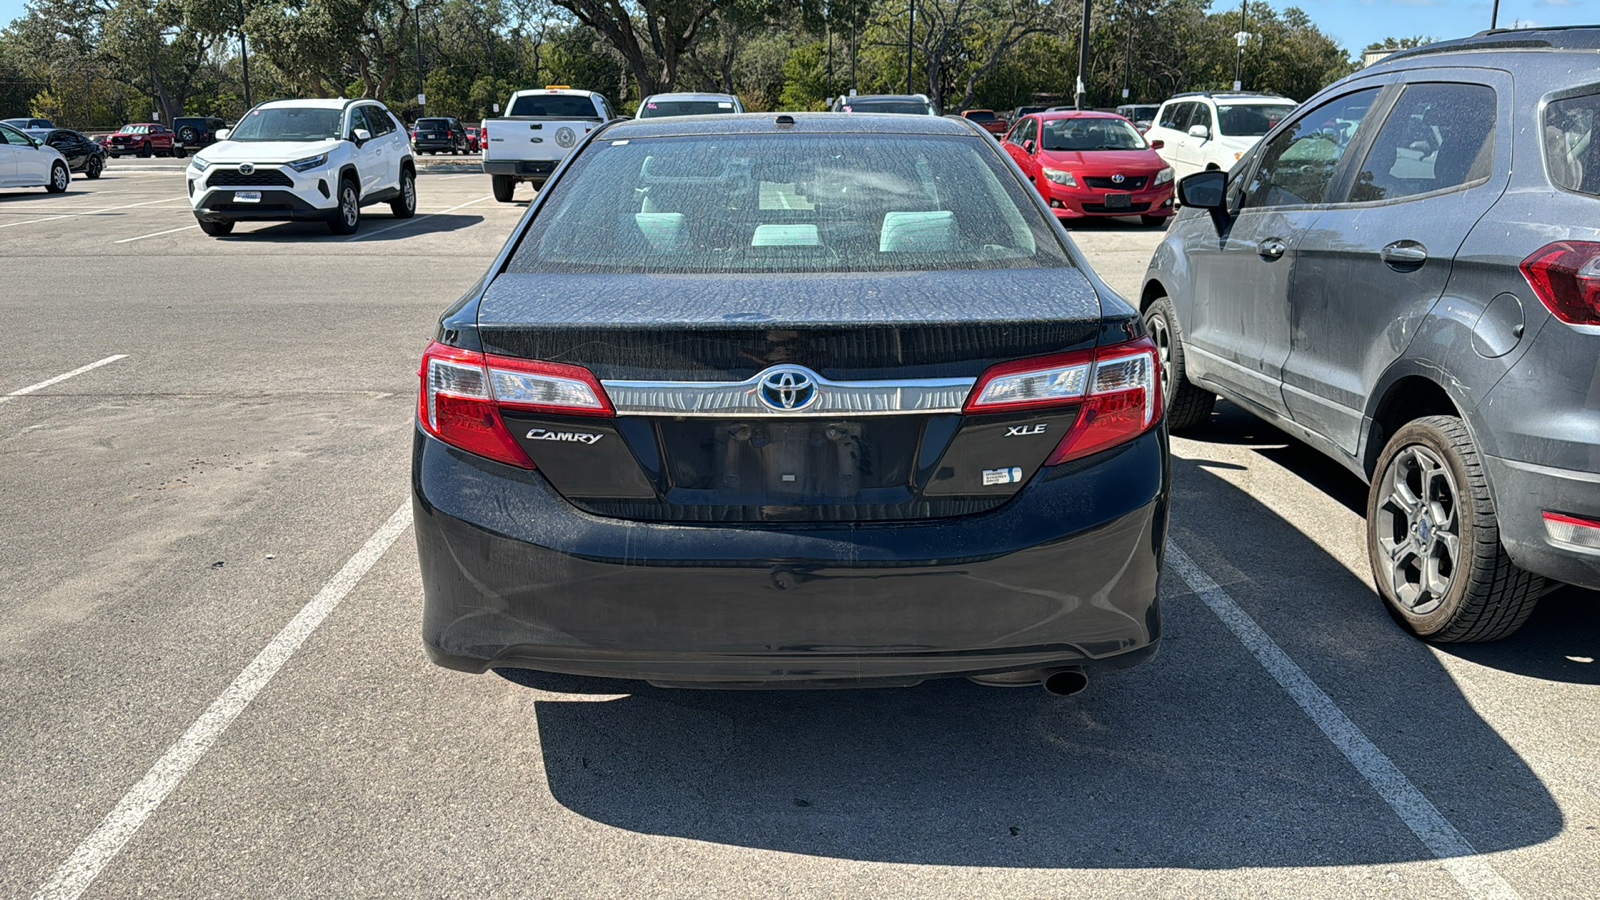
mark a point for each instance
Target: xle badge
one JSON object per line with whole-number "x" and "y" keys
{"x": 582, "y": 437}
{"x": 1001, "y": 476}
{"x": 1026, "y": 430}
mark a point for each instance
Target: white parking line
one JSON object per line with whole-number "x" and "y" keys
{"x": 6, "y": 398}
{"x": 90, "y": 212}
{"x": 105, "y": 842}
{"x": 156, "y": 234}
{"x": 404, "y": 222}
{"x": 1473, "y": 872}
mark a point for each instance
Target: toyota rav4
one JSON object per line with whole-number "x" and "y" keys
{"x": 317, "y": 160}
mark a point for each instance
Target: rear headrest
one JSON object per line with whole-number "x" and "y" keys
{"x": 663, "y": 231}
{"x": 933, "y": 230}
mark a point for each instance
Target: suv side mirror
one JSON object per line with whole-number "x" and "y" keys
{"x": 1028, "y": 145}
{"x": 1204, "y": 190}
{"x": 360, "y": 136}
{"x": 1199, "y": 131}
{"x": 222, "y": 134}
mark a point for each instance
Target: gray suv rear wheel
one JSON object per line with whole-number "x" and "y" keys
{"x": 1187, "y": 404}
{"x": 1434, "y": 542}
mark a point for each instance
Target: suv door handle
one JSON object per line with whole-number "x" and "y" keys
{"x": 1404, "y": 256}
{"x": 1272, "y": 248}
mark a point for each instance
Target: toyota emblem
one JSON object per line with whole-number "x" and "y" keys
{"x": 787, "y": 388}
{"x": 246, "y": 169}
{"x": 1118, "y": 178}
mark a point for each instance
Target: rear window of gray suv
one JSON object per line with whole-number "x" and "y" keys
{"x": 1571, "y": 155}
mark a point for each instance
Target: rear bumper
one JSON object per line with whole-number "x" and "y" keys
{"x": 1065, "y": 574}
{"x": 540, "y": 168}
{"x": 275, "y": 206}
{"x": 1523, "y": 491}
{"x": 433, "y": 145}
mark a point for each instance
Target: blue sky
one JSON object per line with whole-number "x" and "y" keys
{"x": 1356, "y": 23}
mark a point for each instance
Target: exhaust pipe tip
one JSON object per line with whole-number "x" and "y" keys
{"x": 1065, "y": 682}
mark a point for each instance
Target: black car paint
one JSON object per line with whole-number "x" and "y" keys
{"x": 515, "y": 573}
{"x": 74, "y": 147}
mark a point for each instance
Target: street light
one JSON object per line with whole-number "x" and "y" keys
{"x": 911, "y": 31}
{"x": 1241, "y": 36}
{"x": 244, "y": 58}
{"x": 1081, "y": 96}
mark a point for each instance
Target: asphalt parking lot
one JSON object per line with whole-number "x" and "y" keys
{"x": 214, "y": 686}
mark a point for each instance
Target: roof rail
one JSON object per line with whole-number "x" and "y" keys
{"x": 1565, "y": 37}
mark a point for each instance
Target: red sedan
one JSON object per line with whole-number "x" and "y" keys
{"x": 1092, "y": 164}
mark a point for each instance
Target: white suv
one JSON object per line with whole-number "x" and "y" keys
{"x": 320, "y": 160}
{"x": 1211, "y": 129}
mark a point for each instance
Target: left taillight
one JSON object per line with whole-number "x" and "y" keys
{"x": 463, "y": 391}
{"x": 1117, "y": 388}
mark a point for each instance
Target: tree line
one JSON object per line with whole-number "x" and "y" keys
{"x": 94, "y": 63}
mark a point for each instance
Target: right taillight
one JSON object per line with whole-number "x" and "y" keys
{"x": 1566, "y": 277}
{"x": 1117, "y": 389}
{"x": 463, "y": 391}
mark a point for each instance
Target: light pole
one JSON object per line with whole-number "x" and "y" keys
{"x": 422, "y": 97}
{"x": 911, "y": 31}
{"x": 1082, "y": 94}
{"x": 1238, "y": 61}
{"x": 244, "y": 58}
{"x": 1127, "y": 62}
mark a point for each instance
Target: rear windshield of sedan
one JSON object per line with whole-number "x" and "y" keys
{"x": 788, "y": 203}
{"x": 661, "y": 108}
{"x": 902, "y": 107}
{"x": 1090, "y": 134}
{"x": 1571, "y": 153}
{"x": 1250, "y": 120}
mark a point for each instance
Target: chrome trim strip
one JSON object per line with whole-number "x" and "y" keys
{"x": 834, "y": 398}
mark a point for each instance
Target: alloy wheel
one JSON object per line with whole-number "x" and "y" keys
{"x": 60, "y": 178}
{"x": 410, "y": 189}
{"x": 1419, "y": 528}
{"x": 347, "y": 206}
{"x": 1162, "y": 335}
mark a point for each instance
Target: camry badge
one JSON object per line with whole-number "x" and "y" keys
{"x": 246, "y": 169}
{"x": 787, "y": 388}
{"x": 581, "y": 437}
{"x": 1118, "y": 178}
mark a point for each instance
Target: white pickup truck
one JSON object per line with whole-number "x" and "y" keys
{"x": 539, "y": 129}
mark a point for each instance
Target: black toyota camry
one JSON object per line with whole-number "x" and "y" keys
{"x": 791, "y": 401}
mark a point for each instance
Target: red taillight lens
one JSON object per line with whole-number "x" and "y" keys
{"x": 1118, "y": 389}
{"x": 463, "y": 391}
{"x": 1566, "y": 276}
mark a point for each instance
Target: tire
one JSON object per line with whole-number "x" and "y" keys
{"x": 179, "y": 152}
{"x": 94, "y": 167}
{"x": 347, "y": 218}
{"x": 60, "y": 178}
{"x": 1155, "y": 221}
{"x": 1187, "y": 404}
{"x": 188, "y": 135}
{"x": 505, "y": 187}
{"x": 405, "y": 205}
{"x": 216, "y": 229}
{"x": 1430, "y": 492}
{"x": 144, "y": 150}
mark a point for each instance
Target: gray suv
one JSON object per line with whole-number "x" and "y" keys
{"x": 1379, "y": 280}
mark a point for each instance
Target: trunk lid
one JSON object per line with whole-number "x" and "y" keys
{"x": 888, "y": 358}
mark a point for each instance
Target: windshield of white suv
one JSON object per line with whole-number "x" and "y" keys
{"x": 553, "y": 106}
{"x": 1090, "y": 134}
{"x": 788, "y": 203}
{"x": 1250, "y": 120}
{"x": 289, "y": 123}
{"x": 658, "y": 108}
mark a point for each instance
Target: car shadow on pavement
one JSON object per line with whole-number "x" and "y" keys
{"x": 374, "y": 229}
{"x": 1195, "y": 760}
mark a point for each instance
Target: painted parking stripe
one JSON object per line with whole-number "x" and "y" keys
{"x": 91, "y": 212}
{"x": 1473, "y": 872}
{"x": 404, "y": 222}
{"x": 156, "y": 234}
{"x": 7, "y": 398}
{"x": 105, "y": 842}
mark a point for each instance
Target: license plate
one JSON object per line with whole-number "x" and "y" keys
{"x": 247, "y": 196}
{"x": 1119, "y": 201}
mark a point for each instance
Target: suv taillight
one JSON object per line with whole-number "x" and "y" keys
{"x": 463, "y": 391}
{"x": 1118, "y": 388}
{"x": 1566, "y": 277}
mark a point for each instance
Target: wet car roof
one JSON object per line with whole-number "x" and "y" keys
{"x": 803, "y": 123}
